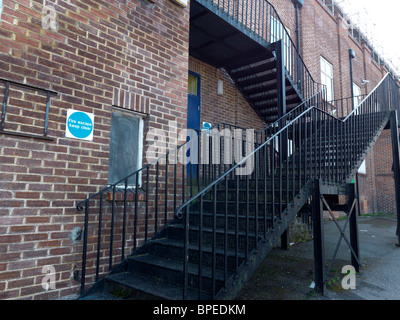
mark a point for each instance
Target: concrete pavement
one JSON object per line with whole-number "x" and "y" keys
{"x": 287, "y": 275}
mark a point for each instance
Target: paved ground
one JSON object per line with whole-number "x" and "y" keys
{"x": 287, "y": 275}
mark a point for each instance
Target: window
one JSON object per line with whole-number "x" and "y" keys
{"x": 357, "y": 95}
{"x": 126, "y": 146}
{"x": 278, "y": 32}
{"x": 193, "y": 85}
{"x": 363, "y": 168}
{"x": 1, "y": 8}
{"x": 327, "y": 78}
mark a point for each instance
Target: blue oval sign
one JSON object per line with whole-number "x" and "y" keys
{"x": 80, "y": 125}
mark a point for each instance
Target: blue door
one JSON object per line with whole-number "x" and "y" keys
{"x": 193, "y": 118}
{"x": 193, "y": 122}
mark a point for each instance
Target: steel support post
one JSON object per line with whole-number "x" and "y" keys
{"x": 353, "y": 227}
{"x": 394, "y": 125}
{"x": 285, "y": 239}
{"x": 283, "y": 143}
{"x": 281, "y": 78}
{"x": 318, "y": 237}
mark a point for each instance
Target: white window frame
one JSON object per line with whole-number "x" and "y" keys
{"x": 363, "y": 168}
{"x": 357, "y": 94}
{"x": 327, "y": 78}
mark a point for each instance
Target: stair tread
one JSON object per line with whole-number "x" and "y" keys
{"x": 155, "y": 287}
{"x": 217, "y": 230}
{"x": 251, "y": 69}
{"x": 195, "y": 246}
{"x": 177, "y": 265}
{"x": 221, "y": 215}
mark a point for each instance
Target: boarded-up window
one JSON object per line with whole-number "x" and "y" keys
{"x": 126, "y": 147}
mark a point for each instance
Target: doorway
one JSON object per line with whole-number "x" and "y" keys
{"x": 193, "y": 125}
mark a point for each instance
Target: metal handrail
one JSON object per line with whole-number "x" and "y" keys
{"x": 330, "y": 150}
{"x": 185, "y": 179}
{"x": 245, "y": 159}
{"x": 79, "y": 206}
{"x": 256, "y": 17}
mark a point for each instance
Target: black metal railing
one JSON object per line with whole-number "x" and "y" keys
{"x": 260, "y": 18}
{"x": 123, "y": 216}
{"x": 322, "y": 147}
{"x": 340, "y": 108}
{"x": 23, "y": 122}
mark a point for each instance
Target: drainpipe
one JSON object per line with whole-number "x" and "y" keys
{"x": 352, "y": 55}
{"x": 298, "y": 4}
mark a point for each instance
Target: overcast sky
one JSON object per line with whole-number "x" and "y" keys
{"x": 380, "y": 20}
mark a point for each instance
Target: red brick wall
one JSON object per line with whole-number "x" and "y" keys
{"x": 231, "y": 107}
{"x": 384, "y": 182}
{"x": 99, "y": 47}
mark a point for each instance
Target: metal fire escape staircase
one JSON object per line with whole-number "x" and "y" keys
{"x": 242, "y": 38}
{"x": 199, "y": 230}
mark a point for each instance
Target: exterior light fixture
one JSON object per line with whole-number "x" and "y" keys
{"x": 220, "y": 87}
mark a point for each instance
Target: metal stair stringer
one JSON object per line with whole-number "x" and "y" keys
{"x": 247, "y": 52}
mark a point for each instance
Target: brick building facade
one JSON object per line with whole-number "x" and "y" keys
{"x": 325, "y": 33}
{"x": 129, "y": 56}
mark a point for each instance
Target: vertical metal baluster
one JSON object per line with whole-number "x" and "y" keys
{"x": 200, "y": 268}
{"x": 156, "y": 199}
{"x": 146, "y": 222}
{"x": 226, "y": 234}
{"x": 175, "y": 180}
{"x": 210, "y": 170}
{"x": 273, "y": 153}
{"x": 183, "y": 184}
{"x": 247, "y": 216}
{"x": 84, "y": 250}
{"x": 221, "y": 140}
{"x": 256, "y": 201}
{"x": 315, "y": 120}
{"x": 251, "y": 15}
{"x": 186, "y": 221}
{"x": 237, "y": 226}
{"x": 124, "y": 220}
{"x": 293, "y": 156}
{"x": 214, "y": 258}
{"x": 300, "y": 153}
{"x": 191, "y": 177}
{"x": 136, "y": 212}
{"x": 286, "y": 153}
{"x": 280, "y": 174}
{"x": 166, "y": 190}
{"x": 99, "y": 237}
{"x": 247, "y": 6}
{"x": 112, "y": 230}
{"x": 265, "y": 187}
